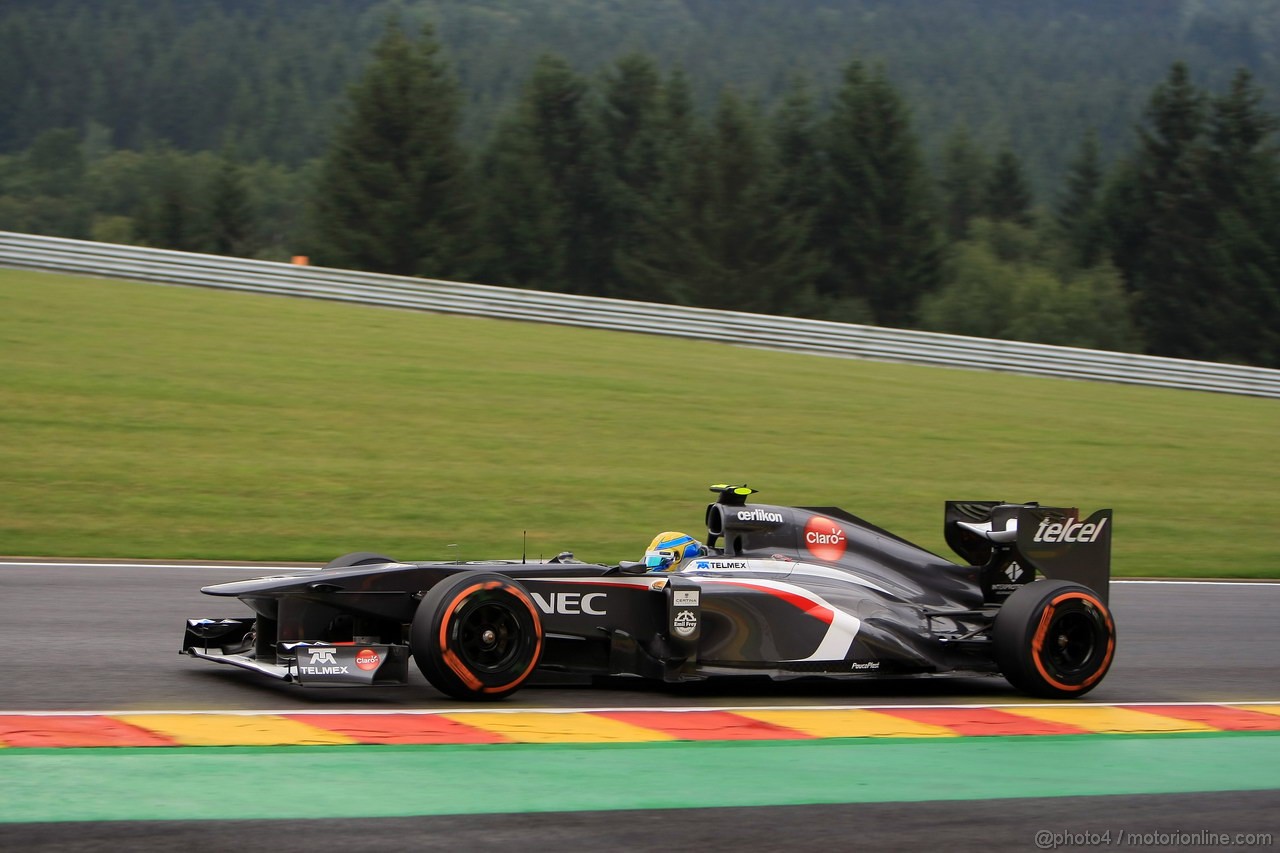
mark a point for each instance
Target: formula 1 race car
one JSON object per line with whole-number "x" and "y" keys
{"x": 775, "y": 591}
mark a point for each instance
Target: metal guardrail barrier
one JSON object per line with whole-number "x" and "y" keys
{"x": 792, "y": 334}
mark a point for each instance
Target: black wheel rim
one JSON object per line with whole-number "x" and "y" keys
{"x": 1071, "y": 644}
{"x": 488, "y": 635}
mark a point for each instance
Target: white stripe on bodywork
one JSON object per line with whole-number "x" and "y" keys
{"x": 840, "y": 634}
{"x": 839, "y": 639}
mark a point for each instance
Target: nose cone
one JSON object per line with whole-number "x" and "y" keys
{"x": 255, "y": 585}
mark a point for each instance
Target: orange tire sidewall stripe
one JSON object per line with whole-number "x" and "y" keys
{"x": 1037, "y": 641}
{"x": 447, "y": 653}
{"x": 451, "y": 659}
{"x": 537, "y": 648}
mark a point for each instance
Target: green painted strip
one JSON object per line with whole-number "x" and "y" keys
{"x": 383, "y": 781}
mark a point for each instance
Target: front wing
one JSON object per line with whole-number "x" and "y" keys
{"x": 310, "y": 664}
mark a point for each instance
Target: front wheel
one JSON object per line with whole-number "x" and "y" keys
{"x": 1054, "y": 639}
{"x": 476, "y": 635}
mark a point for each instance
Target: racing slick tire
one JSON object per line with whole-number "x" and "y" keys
{"x": 1054, "y": 639}
{"x": 476, "y": 635}
{"x": 357, "y": 558}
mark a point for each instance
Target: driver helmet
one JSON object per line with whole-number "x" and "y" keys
{"x": 668, "y": 551}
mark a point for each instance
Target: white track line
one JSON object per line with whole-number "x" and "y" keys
{"x": 74, "y": 565}
{"x": 1275, "y": 584}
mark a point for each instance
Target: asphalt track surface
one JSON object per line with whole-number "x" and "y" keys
{"x": 95, "y": 637}
{"x": 106, "y": 637}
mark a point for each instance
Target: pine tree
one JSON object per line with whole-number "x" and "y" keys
{"x": 1007, "y": 196}
{"x": 168, "y": 216}
{"x": 1163, "y": 212}
{"x": 799, "y": 193}
{"x": 521, "y": 224}
{"x": 231, "y": 217}
{"x": 877, "y": 218}
{"x": 551, "y": 146}
{"x": 1078, "y": 213}
{"x": 797, "y": 140}
{"x": 633, "y": 140}
{"x": 392, "y": 193}
{"x": 964, "y": 177}
{"x": 629, "y": 120}
{"x": 668, "y": 214}
{"x": 569, "y": 144}
{"x": 1242, "y": 172}
{"x": 1194, "y": 218}
{"x": 739, "y": 249}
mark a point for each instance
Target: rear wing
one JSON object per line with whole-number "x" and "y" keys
{"x": 1010, "y": 539}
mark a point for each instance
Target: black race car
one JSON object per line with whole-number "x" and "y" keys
{"x": 776, "y": 591}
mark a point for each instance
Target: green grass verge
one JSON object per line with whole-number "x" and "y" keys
{"x": 168, "y": 783}
{"x": 146, "y": 421}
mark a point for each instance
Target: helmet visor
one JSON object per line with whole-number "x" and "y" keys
{"x": 660, "y": 559}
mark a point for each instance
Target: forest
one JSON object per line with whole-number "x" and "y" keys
{"x": 1082, "y": 173}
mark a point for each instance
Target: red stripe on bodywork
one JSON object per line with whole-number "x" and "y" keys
{"x": 810, "y": 607}
{"x": 706, "y": 725}
{"x": 982, "y": 721}
{"x": 639, "y": 583}
{"x": 399, "y": 728}
{"x": 53, "y": 731}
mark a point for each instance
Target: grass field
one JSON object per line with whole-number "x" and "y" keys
{"x": 146, "y": 421}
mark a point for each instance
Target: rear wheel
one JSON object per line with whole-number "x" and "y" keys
{"x": 476, "y": 635}
{"x": 1054, "y": 639}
